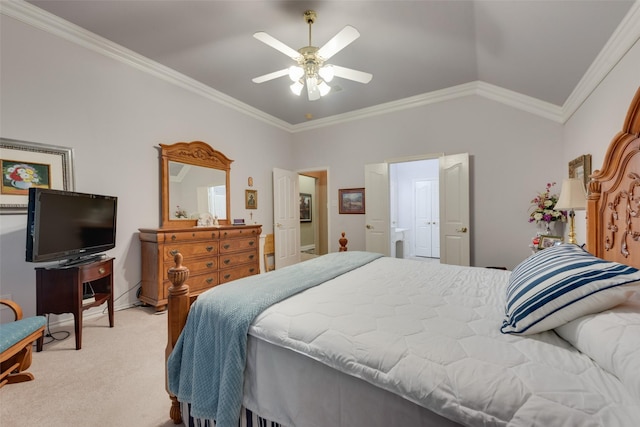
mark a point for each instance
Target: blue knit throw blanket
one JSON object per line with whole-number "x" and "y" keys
{"x": 206, "y": 367}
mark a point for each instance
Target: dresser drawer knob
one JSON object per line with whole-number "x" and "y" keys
{"x": 209, "y": 248}
{"x": 251, "y": 256}
{"x": 251, "y": 270}
{"x": 209, "y": 280}
{"x": 226, "y": 261}
{"x": 227, "y": 246}
{"x": 209, "y": 264}
{"x": 226, "y": 276}
{"x": 251, "y": 243}
{"x": 174, "y": 237}
{"x": 173, "y": 252}
{"x": 101, "y": 270}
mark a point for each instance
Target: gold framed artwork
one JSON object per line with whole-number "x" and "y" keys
{"x": 351, "y": 201}
{"x": 581, "y": 168}
{"x": 251, "y": 199}
{"x": 29, "y": 164}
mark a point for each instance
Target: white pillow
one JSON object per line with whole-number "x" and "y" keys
{"x": 612, "y": 340}
{"x": 560, "y": 284}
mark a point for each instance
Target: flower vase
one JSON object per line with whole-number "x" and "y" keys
{"x": 549, "y": 227}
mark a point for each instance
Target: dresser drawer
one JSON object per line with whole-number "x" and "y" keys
{"x": 189, "y": 236}
{"x": 233, "y": 259}
{"x": 238, "y": 272}
{"x": 196, "y": 266}
{"x": 190, "y": 250}
{"x": 239, "y": 232}
{"x": 235, "y": 245}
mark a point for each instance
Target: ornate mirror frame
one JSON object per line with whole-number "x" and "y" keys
{"x": 195, "y": 153}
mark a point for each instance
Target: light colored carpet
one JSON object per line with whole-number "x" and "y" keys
{"x": 116, "y": 379}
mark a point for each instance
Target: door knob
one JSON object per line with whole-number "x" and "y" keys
{"x": 369, "y": 227}
{"x": 278, "y": 225}
{"x": 462, "y": 230}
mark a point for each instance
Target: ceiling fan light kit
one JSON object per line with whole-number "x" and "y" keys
{"x": 311, "y": 69}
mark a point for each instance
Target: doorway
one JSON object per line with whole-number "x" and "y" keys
{"x": 414, "y": 209}
{"x": 313, "y": 214}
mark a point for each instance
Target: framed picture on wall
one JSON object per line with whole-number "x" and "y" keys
{"x": 581, "y": 168}
{"x": 251, "y": 199}
{"x": 305, "y": 207}
{"x": 351, "y": 201}
{"x": 29, "y": 164}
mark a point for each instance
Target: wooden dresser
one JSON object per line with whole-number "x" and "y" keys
{"x": 214, "y": 255}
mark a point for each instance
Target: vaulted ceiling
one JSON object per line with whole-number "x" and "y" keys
{"x": 537, "y": 49}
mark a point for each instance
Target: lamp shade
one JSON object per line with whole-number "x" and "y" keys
{"x": 572, "y": 195}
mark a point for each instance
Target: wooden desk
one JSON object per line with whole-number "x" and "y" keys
{"x": 59, "y": 290}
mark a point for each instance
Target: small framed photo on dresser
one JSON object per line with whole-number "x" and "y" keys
{"x": 549, "y": 241}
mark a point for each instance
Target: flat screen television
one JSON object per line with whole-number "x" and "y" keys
{"x": 69, "y": 226}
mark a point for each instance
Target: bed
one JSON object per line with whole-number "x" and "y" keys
{"x": 356, "y": 339}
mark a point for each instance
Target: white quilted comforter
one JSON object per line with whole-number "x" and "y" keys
{"x": 431, "y": 334}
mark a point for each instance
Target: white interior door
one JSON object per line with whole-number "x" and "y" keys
{"x": 376, "y": 183}
{"x": 454, "y": 209}
{"x": 286, "y": 216}
{"x": 427, "y": 219}
{"x": 435, "y": 219}
{"x": 422, "y": 198}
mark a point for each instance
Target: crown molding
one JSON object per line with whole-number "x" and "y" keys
{"x": 621, "y": 41}
{"x": 43, "y": 20}
{"x": 627, "y": 33}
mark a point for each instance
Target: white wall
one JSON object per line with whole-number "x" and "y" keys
{"x": 513, "y": 155}
{"x": 114, "y": 116}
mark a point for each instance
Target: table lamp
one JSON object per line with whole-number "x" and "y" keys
{"x": 573, "y": 197}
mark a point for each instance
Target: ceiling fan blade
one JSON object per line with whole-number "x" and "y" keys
{"x": 355, "y": 75}
{"x": 271, "y": 76}
{"x": 277, "y": 44}
{"x": 341, "y": 40}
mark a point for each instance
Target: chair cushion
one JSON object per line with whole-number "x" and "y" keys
{"x": 13, "y": 332}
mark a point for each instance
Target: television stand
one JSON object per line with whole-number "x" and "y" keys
{"x": 60, "y": 290}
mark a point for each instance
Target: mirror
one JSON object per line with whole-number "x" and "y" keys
{"x": 195, "y": 181}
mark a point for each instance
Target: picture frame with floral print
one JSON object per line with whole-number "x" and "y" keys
{"x": 30, "y": 164}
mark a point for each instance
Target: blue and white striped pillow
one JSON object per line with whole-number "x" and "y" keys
{"x": 562, "y": 283}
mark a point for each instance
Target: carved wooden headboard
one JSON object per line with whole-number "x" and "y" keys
{"x": 613, "y": 207}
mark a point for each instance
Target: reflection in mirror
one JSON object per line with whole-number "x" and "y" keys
{"x": 195, "y": 185}
{"x": 194, "y": 190}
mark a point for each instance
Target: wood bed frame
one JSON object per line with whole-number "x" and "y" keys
{"x": 613, "y": 205}
{"x": 613, "y": 223}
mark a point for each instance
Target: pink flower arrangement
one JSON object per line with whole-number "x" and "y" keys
{"x": 542, "y": 207}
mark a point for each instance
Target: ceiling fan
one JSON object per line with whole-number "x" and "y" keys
{"x": 311, "y": 68}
